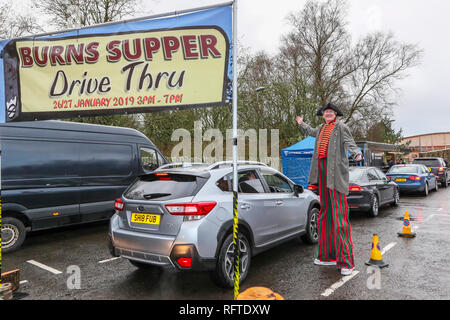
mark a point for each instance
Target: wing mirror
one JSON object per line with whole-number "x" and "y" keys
{"x": 298, "y": 189}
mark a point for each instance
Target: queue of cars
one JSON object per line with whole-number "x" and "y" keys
{"x": 370, "y": 188}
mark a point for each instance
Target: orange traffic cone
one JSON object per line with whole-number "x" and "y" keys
{"x": 406, "y": 232}
{"x": 375, "y": 255}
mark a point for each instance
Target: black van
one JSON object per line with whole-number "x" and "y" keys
{"x": 57, "y": 173}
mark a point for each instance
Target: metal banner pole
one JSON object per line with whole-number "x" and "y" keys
{"x": 235, "y": 157}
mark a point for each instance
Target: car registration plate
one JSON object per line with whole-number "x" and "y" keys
{"x": 145, "y": 218}
{"x": 402, "y": 180}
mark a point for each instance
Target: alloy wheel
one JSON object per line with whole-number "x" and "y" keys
{"x": 375, "y": 206}
{"x": 243, "y": 259}
{"x": 313, "y": 224}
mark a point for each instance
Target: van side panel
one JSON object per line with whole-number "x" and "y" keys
{"x": 42, "y": 176}
{"x": 106, "y": 170}
{"x": 59, "y": 173}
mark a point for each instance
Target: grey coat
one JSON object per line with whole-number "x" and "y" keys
{"x": 341, "y": 140}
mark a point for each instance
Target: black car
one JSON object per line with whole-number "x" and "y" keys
{"x": 369, "y": 188}
{"x": 57, "y": 173}
{"x": 439, "y": 167}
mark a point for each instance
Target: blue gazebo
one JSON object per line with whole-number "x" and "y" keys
{"x": 296, "y": 160}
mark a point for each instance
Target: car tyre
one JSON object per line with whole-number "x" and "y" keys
{"x": 312, "y": 235}
{"x": 396, "y": 198}
{"x": 13, "y": 234}
{"x": 436, "y": 188}
{"x": 425, "y": 191}
{"x": 373, "y": 212}
{"x": 445, "y": 183}
{"x": 223, "y": 275}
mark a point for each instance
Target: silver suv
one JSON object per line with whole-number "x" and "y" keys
{"x": 181, "y": 216}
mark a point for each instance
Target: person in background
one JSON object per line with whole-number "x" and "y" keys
{"x": 391, "y": 162}
{"x": 330, "y": 171}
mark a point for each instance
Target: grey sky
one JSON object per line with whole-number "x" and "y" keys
{"x": 424, "y": 103}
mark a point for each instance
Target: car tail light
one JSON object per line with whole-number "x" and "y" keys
{"x": 312, "y": 187}
{"x": 163, "y": 176}
{"x": 191, "y": 208}
{"x": 415, "y": 178}
{"x": 185, "y": 262}
{"x": 441, "y": 170}
{"x": 355, "y": 188}
{"x": 119, "y": 204}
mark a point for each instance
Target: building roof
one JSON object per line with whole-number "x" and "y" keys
{"x": 426, "y": 134}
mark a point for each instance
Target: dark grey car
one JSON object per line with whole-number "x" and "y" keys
{"x": 182, "y": 218}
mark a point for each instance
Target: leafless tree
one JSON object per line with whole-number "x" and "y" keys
{"x": 360, "y": 78}
{"x": 66, "y": 14}
{"x": 382, "y": 61}
{"x": 14, "y": 24}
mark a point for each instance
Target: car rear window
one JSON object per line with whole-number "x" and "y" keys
{"x": 164, "y": 187}
{"x": 428, "y": 162}
{"x": 356, "y": 175}
{"x": 404, "y": 169}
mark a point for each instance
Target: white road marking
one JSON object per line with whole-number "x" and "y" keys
{"x": 388, "y": 247}
{"x": 429, "y": 217}
{"x": 23, "y": 282}
{"x": 108, "y": 260}
{"x": 43, "y": 266}
{"x": 339, "y": 284}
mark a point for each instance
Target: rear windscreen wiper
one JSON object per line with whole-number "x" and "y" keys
{"x": 156, "y": 195}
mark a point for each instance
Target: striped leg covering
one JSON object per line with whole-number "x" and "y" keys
{"x": 334, "y": 228}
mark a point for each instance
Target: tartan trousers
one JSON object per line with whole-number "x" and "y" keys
{"x": 335, "y": 242}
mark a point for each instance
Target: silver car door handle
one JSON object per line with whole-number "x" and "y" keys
{"x": 245, "y": 206}
{"x": 279, "y": 203}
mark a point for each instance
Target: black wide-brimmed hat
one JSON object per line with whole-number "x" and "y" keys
{"x": 332, "y": 107}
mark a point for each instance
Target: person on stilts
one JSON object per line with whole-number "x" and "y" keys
{"x": 330, "y": 172}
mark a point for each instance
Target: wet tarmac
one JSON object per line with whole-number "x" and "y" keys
{"x": 418, "y": 267}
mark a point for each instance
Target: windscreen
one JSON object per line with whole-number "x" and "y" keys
{"x": 153, "y": 187}
{"x": 404, "y": 169}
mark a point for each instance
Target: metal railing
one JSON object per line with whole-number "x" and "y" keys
{"x": 213, "y": 166}
{"x": 182, "y": 165}
{"x": 220, "y": 163}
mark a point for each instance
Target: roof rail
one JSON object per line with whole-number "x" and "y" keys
{"x": 218, "y": 164}
{"x": 181, "y": 164}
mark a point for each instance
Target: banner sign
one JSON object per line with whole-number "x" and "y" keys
{"x": 143, "y": 66}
